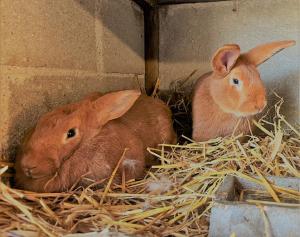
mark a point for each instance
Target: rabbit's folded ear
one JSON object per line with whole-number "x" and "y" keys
{"x": 261, "y": 53}
{"x": 225, "y": 58}
{"x": 114, "y": 105}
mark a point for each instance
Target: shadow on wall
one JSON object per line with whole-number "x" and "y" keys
{"x": 112, "y": 16}
{"x": 25, "y": 117}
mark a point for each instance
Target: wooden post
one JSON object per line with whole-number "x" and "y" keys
{"x": 169, "y": 2}
{"x": 151, "y": 48}
{"x": 151, "y": 43}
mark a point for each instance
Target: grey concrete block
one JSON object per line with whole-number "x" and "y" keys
{"x": 122, "y": 36}
{"x": 112, "y": 82}
{"x": 52, "y": 34}
{"x": 231, "y": 215}
{"x": 247, "y": 221}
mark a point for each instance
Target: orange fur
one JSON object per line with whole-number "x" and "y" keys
{"x": 105, "y": 126}
{"x": 218, "y": 103}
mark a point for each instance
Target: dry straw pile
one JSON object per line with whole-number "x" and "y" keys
{"x": 176, "y": 196}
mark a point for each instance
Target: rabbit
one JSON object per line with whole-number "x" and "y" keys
{"x": 232, "y": 93}
{"x": 84, "y": 141}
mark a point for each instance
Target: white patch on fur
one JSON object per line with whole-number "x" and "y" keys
{"x": 146, "y": 205}
{"x": 107, "y": 233}
{"x": 131, "y": 164}
{"x": 104, "y": 233}
{"x": 164, "y": 184}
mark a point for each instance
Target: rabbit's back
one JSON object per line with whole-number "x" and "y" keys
{"x": 150, "y": 119}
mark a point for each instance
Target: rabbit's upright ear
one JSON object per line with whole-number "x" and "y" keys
{"x": 114, "y": 105}
{"x": 261, "y": 53}
{"x": 225, "y": 58}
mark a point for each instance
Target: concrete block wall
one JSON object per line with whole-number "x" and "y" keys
{"x": 53, "y": 52}
{"x": 191, "y": 33}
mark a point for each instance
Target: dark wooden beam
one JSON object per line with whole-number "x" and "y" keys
{"x": 169, "y": 2}
{"x": 145, "y": 4}
{"x": 151, "y": 25}
{"x": 151, "y": 42}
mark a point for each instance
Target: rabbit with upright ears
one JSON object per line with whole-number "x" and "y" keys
{"x": 85, "y": 141}
{"x": 233, "y": 92}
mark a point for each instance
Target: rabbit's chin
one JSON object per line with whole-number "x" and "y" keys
{"x": 41, "y": 176}
{"x": 245, "y": 114}
{"x": 240, "y": 114}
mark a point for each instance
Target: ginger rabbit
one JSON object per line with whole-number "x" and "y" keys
{"x": 232, "y": 92}
{"x": 84, "y": 141}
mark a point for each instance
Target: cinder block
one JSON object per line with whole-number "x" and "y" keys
{"x": 52, "y": 34}
{"x": 112, "y": 82}
{"x": 26, "y": 98}
{"x": 121, "y": 37}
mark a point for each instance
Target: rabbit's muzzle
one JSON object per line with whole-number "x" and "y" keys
{"x": 35, "y": 169}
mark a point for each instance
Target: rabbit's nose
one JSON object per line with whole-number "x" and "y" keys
{"x": 28, "y": 170}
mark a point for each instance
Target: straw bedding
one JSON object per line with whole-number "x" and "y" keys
{"x": 176, "y": 196}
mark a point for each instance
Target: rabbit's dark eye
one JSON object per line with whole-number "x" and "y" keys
{"x": 71, "y": 133}
{"x": 235, "y": 81}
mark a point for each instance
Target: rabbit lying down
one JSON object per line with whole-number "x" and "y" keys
{"x": 233, "y": 92}
{"x": 85, "y": 141}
